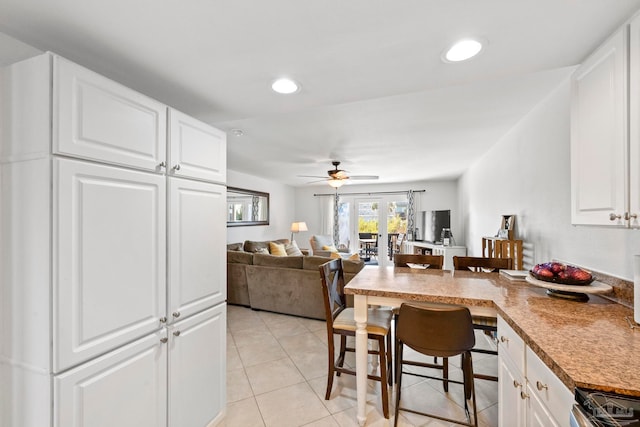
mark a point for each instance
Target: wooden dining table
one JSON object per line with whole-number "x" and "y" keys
{"x": 555, "y": 329}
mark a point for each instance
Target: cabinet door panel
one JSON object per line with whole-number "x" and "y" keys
{"x": 109, "y": 258}
{"x": 197, "y": 369}
{"x": 599, "y": 135}
{"x": 538, "y": 415}
{"x": 548, "y": 388}
{"x": 99, "y": 119}
{"x": 124, "y": 388}
{"x": 511, "y": 406}
{"x": 197, "y": 251}
{"x": 634, "y": 121}
{"x": 197, "y": 149}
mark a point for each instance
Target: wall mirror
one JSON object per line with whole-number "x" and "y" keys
{"x": 247, "y": 207}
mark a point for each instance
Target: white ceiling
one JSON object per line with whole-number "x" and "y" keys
{"x": 375, "y": 93}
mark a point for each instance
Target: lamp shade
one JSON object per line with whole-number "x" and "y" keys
{"x": 298, "y": 226}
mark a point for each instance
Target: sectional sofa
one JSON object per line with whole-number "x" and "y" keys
{"x": 282, "y": 284}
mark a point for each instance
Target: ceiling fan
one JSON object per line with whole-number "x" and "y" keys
{"x": 337, "y": 177}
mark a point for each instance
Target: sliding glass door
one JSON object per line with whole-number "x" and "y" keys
{"x": 380, "y": 224}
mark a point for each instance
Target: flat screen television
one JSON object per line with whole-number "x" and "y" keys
{"x": 431, "y": 223}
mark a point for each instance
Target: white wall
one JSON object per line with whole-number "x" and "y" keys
{"x": 281, "y": 208}
{"x": 527, "y": 173}
{"x": 438, "y": 195}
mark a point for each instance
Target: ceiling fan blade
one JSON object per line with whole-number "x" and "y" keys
{"x": 319, "y": 180}
{"x": 356, "y": 177}
{"x": 311, "y": 176}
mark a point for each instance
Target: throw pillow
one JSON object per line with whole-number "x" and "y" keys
{"x": 334, "y": 255}
{"x": 329, "y": 248}
{"x": 354, "y": 257}
{"x": 292, "y": 249}
{"x": 261, "y": 251}
{"x": 277, "y": 249}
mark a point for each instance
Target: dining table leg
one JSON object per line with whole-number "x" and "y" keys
{"x": 360, "y": 317}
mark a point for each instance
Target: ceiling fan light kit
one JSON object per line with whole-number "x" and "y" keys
{"x": 336, "y": 183}
{"x": 338, "y": 177}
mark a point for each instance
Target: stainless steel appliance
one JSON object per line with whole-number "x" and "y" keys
{"x": 596, "y": 408}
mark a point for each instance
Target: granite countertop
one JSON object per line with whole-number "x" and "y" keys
{"x": 585, "y": 344}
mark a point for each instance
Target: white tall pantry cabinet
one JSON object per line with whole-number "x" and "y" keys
{"x": 112, "y": 255}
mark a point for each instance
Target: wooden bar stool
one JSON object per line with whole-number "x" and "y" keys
{"x": 340, "y": 322}
{"x": 438, "y": 330}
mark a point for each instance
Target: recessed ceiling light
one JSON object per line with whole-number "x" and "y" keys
{"x": 462, "y": 50}
{"x": 285, "y": 86}
{"x": 237, "y": 132}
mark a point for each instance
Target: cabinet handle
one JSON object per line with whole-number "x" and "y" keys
{"x": 176, "y": 314}
{"x": 503, "y": 338}
{"x": 163, "y": 320}
{"x": 516, "y": 384}
{"x": 176, "y": 167}
{"x": 628, "y": 216}
{"x": 523, "y": 395}
{"x": 541, "y": 386}
{"x": 164, "y": 340}
{"x": 176, "y": 333}
{"x": 162, "y": 165}
{"x": 613, "y": 217}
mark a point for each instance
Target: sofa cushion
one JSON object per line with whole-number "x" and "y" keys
{"x": 314, "y": 262}
{"x": 352, "y": 257}
{"x": 254, "y": 246}
{"x": 277, "y": 249}
{"x": 317, "y": 241}
{"x": 277, "y": 261}
{"x": 235, "y": 246}
{"x": 239, "y": 257}
{"x": 293, "y": 249}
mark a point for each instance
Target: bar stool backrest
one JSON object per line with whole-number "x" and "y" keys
{"x": 434, "y": 261}
{"x": 335, "y": 301}
{"x": 439, "y": 330}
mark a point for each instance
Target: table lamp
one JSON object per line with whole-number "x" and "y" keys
{"x": 297, "y": 227}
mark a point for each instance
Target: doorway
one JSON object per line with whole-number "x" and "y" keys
{"x": 380, "y": 225}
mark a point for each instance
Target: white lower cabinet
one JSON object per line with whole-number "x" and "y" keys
{"x": 197, "y": 369}
{"x": 529, "y": 393}
{"x": 511, "y": 408}
{"x": 174, "y": 377}
{"x": 124, "y": 388}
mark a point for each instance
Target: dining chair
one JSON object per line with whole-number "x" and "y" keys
{"x": 433, "y": 261}
{"x": 481, "y": 264}
{"x": 340, "y": 321}
{"x": 484, "y": 318}
{"x": 438, "y": 330}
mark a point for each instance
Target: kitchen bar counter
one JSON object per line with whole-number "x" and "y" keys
{"x": 585, "y": 344}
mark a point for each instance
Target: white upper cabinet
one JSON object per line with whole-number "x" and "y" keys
{"x": 605, "y": 133}
{"x": 197, "y": 150}
{"x": 98, "y": 119}
{"x": 599, "y": 136}
{"x": 197, "y": 260}
{"x": 634, "y": 122}
{"x": 109, "y": 258}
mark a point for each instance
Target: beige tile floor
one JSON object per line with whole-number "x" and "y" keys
{"x": 277, "y": 373}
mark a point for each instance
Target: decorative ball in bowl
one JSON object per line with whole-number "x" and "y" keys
{"x": 564, "y": 274}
